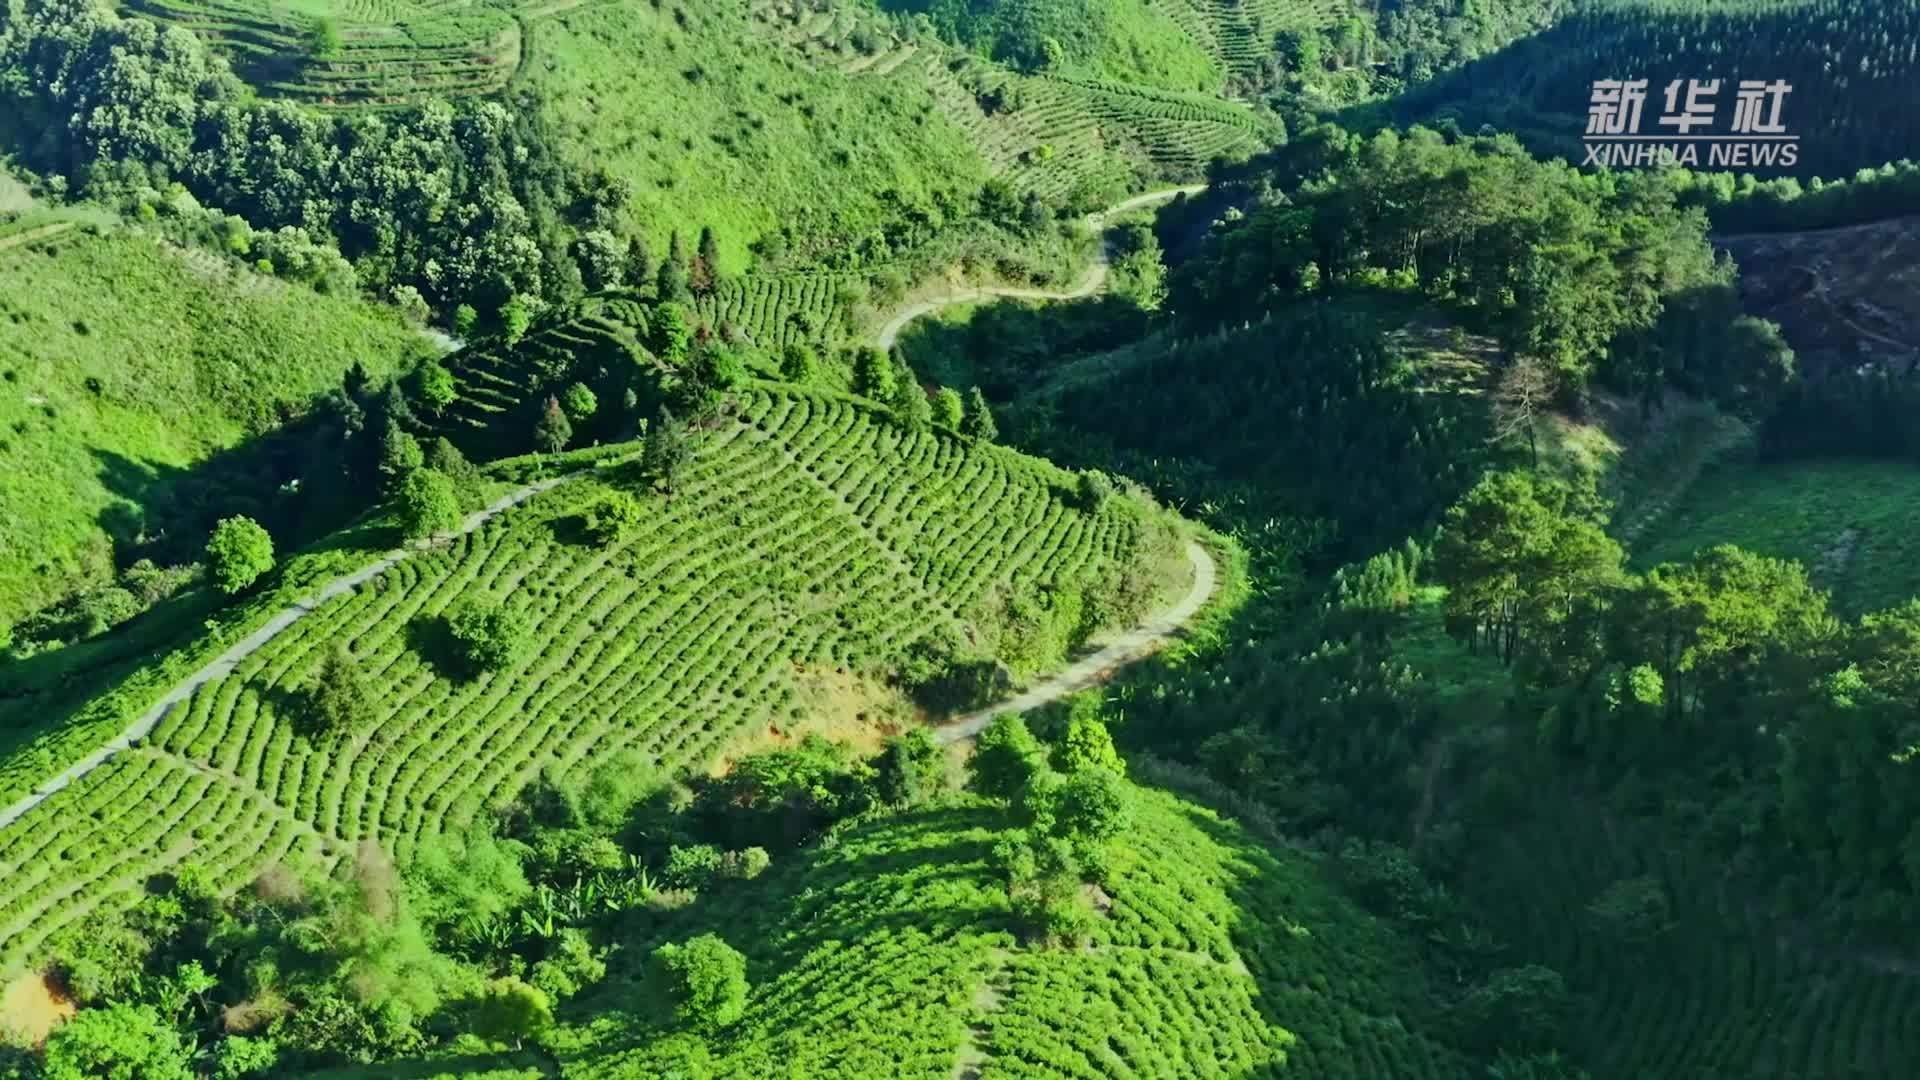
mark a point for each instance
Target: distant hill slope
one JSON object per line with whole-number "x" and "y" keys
{"x": 1843, "y": 297}
{"x": 125, "y": 365}
{"x": 808, "y": 539}
{"x": 1851, "y": 65}
{"x": 887, "y": 954}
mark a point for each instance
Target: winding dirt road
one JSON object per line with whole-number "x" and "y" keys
{"x": 1098, "y": 667}
{"x": 1087, "y": 671}
{"x": 1089, "y": 283}
{"x": 224, "y": 664}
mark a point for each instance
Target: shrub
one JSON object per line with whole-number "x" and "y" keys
{"x": 240, "y": 552}
{"x": 1087, "y": 744}
{"x": 873, "y": 375}
{"x": 1091, "y": 807}
{"x": 400, "y": 457}
{"x": 722, "y": 367}
{"x": 509, "y": 1011}
{"x": 121, "y": 1040}
{"x": 911, "y": 409}
{"x": 1633, "y": 911}
{"x": 445, "y": 458}
{"x": 428, "y": 504}
{"x": 570, "y": 966}
{"x": 798, "y": 364}
{"x": 703, "y": 982}
{"x": 579, "y": 402}
{"x": 668, "y": 449}
{"x": 910, "y": 770}
{"x": 1516, "y": 1009}
{"x": 1094, "y": 488}
{"x": 692, "y": 867}
{"x": 437, "y": 389}
{"x": 487, "y": 636}
{"x": 948, "y": 411}
{"x": 552, "y": 432}
{"x": 1005, "y": 757}
{"x": 338, "y": 696}
{"x": 979, "y": 420}
{"x": 516, "y": 317}
{"x": 614, "y": 517}
{"x": 746, "y": 864}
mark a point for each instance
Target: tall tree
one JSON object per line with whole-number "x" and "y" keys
{"x": 979, "y": 422}
{"x": 552, "y": 431}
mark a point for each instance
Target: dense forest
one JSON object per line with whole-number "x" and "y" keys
{"x": 1851, "y": 82}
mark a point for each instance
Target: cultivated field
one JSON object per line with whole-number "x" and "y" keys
{"x": 1717, "y": 994}
{"x": 809, "y": 535}
{"x": 1855, "y": 525}
{"x": 388, "y": 52}
{"x": 1226, "y": 955}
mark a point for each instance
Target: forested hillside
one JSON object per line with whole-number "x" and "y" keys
{"x": 1571, "y": 666}
{"x": 1851, "y": 67}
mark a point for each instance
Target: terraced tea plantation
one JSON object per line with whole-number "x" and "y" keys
{"x": 1220, "y": 956}
{"x": 1055, "y": 136}
{"x": 1241, "y": 32}
{"x": 808, "y": 534}
{"x": 357, "y": 52}
{"x": 1715, "y": 995}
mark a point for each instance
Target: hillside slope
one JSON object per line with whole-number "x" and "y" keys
{"x": 806, "y": 540}
{"x": 127, "y": 365}
{"x": 1851, "y": 80}
{"x": 888, "y": 953}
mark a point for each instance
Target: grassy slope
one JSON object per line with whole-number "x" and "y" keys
{"x": 806, "y": 538}
{"x": 1854, "y": 524}
{"x": 617, "y": 80}
{"x": 186, "y": 364}
{"x": 887, "y": 954}
{"x": 1686, "y": 479}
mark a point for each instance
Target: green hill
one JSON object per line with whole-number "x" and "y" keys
{"x": 891, "y": 952}
{"x": 128, "y": 365}
{"x": 807, "y": 539}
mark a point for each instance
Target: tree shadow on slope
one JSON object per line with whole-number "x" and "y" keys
{"x": 163, "y": 516}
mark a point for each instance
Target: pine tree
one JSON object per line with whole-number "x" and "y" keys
{"x": 667, "y": 449}
{"x": 979, "y": 420}
{"x": 552, "y": 432}
{"x": 400, "y": 455}
{"x": 640, "y": 269}
{"x": 704, "y": 274}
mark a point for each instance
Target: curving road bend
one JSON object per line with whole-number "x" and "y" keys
{"x": 1098, "y": 667}
{"x": 1090, "y": 283}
